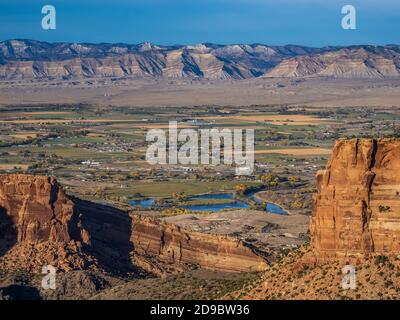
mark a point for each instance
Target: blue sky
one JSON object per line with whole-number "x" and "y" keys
{"x": 275, "y": 22}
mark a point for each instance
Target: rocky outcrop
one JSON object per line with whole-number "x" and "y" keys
{"x": 357, "y": 207}
{"x": 37, "y": 206}
{"x": 40, "y": 224}
{"x": 175, "y": 245}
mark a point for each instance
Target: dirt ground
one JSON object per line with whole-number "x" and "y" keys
{"x": 128, "y": 92}
{"x": 265, "y": 230}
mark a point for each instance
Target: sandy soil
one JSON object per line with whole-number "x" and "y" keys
{"x": 10, "y": 166}
{"x": 297, "y": 152}
{"x": 278, "y": 229}
{"x": 295, "y": 119}
{"x": 314, "y": 92}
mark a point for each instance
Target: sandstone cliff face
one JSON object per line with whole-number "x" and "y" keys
{"x": 357, "y": 207}
{"x": 174, "y": 245}
{"x": 40, "y": 224}
{"x": 37, "y": 206}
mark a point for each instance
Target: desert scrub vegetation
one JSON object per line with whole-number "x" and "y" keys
{"x": 174, "y": 211}
{"x": 382, "y": 208}
{"x": 381, "y": 259}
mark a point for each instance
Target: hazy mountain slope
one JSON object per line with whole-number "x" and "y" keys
{"x": 30, "y": 59}
{"x": 352, "y": 62}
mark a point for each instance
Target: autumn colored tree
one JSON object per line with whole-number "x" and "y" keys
{"x": 240, "y": 189}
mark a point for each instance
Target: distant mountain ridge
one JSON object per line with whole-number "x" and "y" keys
{"x": 31, "y": 59}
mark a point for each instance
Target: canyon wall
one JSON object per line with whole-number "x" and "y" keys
{"x": 357, "y": 208}
{"x": 37, "y": 206}
{"x": 40, "y": 224}
{"x": 173, "y": 244}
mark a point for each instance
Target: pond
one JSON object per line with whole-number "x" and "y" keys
{"x": 235, "y": 204}
{"x": 216, "y": 206}
{"x": 271, "y": 207}
{"x": 213, "y": 196}
{"x": 144, "y": 203}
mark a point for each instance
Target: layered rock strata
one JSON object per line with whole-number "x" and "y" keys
{"x": 175, "y": 245}
{"x": 357, "y": 208}
{"x": 37, "y": 206}
{"x": 35, "y": 60}
{"x": 40, "y": 224}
